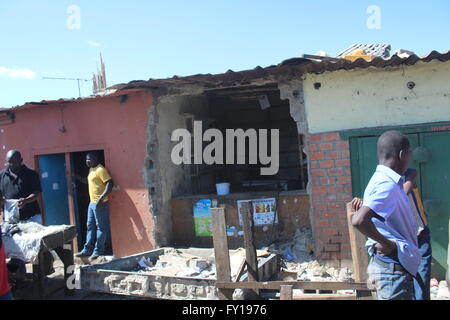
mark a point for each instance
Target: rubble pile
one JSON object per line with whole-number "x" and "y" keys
{"x": 298, "y": 256}
{"x": 178, "y": 264}
{"x": 314, "y": 271}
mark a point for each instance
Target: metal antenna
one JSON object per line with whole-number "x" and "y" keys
{"x": 70, "y": 79}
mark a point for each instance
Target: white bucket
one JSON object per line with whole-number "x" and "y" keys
{"x": 223, "y": 189}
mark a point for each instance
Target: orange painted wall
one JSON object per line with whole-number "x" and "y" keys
{"x": 101, "y": 123}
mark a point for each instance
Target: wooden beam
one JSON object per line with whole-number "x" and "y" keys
{"x": 73, "y": 220}
{"x": 360, "y": 256}
{"x": 364, "y": 295}
{"x": 326, "y": 297}
{"x": 250, "y": 250}
{"x": 305, "y": 285}
{"x": 221, "y": 252}
{"x": 286, "y": 292}
{"x": 241, "y": 270}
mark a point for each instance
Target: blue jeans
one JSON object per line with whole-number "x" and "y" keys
{"x": 424, "y": 266}
{"x": 98, "y": 229}
{"x": 7, "y": 296}
{"x": 389, "y": 283}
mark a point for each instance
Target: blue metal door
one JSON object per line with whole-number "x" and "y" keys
{"x": 54, "y": 189}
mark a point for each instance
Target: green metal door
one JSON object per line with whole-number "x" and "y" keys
{"x": 431, "y": 157}
{"x": 435, "y": 175}
{"x": 364, "y": 161}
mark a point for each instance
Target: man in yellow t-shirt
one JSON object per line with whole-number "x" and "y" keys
{"x": 100, "y": 186}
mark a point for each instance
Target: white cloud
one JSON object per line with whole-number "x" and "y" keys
{"x": 94, "y": 44}
{"x": 18, "y": 73}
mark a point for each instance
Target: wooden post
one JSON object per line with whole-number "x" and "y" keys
{"x": 71, "y": 200}
{"x": 221, "y": 252}
{"x": 250, "y": 250}
{"x": 360, "y": 256}
{"x": 241, "y": 270}
{"x": 286, "y": 293}
{"x": 38, "y": 275}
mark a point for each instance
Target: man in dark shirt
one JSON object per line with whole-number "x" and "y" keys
{"x": 18, "y": 182}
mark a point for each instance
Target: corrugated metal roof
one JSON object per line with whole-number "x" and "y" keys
{"x": 108, "y": 93}
{"x": 379, "y": 50}
{"x": 289, "y": 68}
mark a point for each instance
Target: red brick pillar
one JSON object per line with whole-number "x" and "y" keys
{"x": 330, "y": 191}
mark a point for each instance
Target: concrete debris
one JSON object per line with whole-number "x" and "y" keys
{"x": 298, "y": 256}
{"x": 175, "y": 263}
{"x": 314, "y": 271}
{"x": 299, "y": 250}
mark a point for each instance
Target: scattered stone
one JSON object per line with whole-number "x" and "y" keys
{"x": 302, "y": 260}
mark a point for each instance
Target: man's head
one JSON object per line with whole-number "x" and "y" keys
{"x": 13, "y": 160}
{"x": 92, "y": 159}
{"x": 394, "y": 151}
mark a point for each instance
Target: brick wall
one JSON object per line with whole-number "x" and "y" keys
{"x": 331, "y": 190}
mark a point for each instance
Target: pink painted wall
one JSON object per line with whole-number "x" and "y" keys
{"x": 100, "y": 123}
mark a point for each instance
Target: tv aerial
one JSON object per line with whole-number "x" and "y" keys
{"x": 70, "y": 79}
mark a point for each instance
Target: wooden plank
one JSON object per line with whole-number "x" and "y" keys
{"x": 38, "y": 272}
{"x": 251, "y": 257}
{"x": 364, "y": 295}
{"x": 250, "y": 249}
{"x": 305, "y": 285}
{"x": 221, "y": 252}
{"x": 69, "y": 179}
{"x": 326, "y": 297}
{"x": 241, "y": 270}
{"x": 286, "y": 292}
{"x": 360, "y": 256}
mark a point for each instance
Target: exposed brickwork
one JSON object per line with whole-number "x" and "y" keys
{"x": 331, "y": 189}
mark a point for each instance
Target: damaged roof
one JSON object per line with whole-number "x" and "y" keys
{"x": 106, "y": 94}
{"x": 287, "y": 69}
{"x": 379, "y": 50}
{"x": 290, "y": 67}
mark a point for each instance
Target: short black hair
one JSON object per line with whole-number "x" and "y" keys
{"x": 13, "y": 154}
{"x": 93, "y": 155}
{"x": 390, "y": 144}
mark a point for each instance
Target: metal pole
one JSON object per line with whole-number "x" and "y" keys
{"x": 79, "y": 90}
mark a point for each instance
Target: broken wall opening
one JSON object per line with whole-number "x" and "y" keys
{"x": 175, "y": 189}
{"x": 249, "y": 108}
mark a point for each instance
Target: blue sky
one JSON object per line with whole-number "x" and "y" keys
{"x": 142, "y": 39}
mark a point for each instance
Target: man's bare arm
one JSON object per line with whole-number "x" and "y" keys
{"x": 31, "y": 198}
{"x": 362, "y": 220}
{"x": 108, "y": 189}
{"x": 410, "y": 180}
{"x": 81, "y": 179}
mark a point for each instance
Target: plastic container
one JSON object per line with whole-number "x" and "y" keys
{"x": 223, "y": 189}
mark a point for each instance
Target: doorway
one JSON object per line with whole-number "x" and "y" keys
{"x": 54, "y": 189}
{"x": 55, "y": 193}
{"x": 81, "y": 195}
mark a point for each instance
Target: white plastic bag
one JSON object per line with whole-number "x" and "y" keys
{"x": 11, "y": 211}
